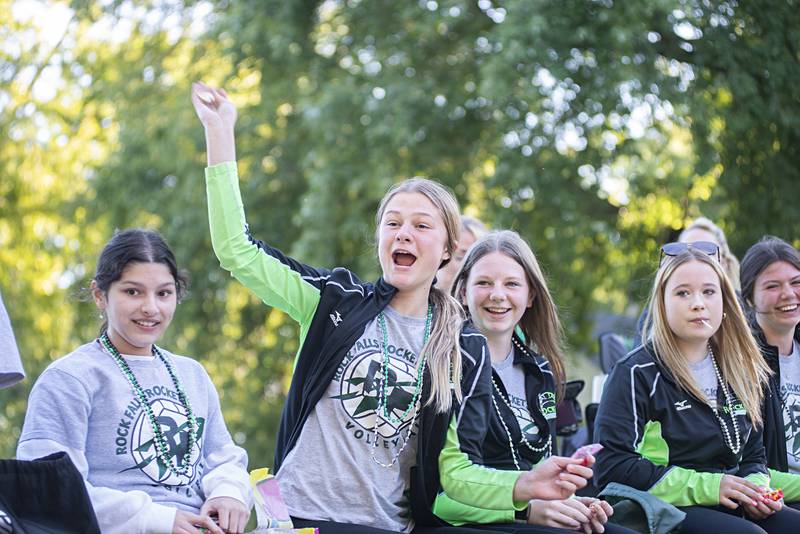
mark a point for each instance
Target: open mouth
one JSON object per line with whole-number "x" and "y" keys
{"x": 496, "y": 311}
{"x": 146, "y": 324}
{"x": 787, "y": 308}
{"x": 403, "y": 258}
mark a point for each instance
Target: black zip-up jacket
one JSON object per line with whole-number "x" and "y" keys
{"x": 540, "y": 395}
{"x": 658, "y": 438}
{"x": 772, "y": 413}
{"x": 333, "y": 308}
{"x": 774, "y": 436}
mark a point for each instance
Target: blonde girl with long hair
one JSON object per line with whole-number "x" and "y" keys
{"x": 680, "y": 416}
{"x": 381, "y": 366}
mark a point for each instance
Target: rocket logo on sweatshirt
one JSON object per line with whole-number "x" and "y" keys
{"x": 135, "y": 438}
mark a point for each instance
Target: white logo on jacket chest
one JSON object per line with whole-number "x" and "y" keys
{"x": 682, "y": 405}
{"x": 335, "y": 317}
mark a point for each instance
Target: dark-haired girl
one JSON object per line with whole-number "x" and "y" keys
{"x": 770, "y": 275}
{"x": 142, "y": 425}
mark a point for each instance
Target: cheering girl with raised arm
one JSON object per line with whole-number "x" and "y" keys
{"x": 383, "y": 367}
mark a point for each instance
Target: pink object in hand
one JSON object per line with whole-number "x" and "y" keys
{"x": 586, "y": 451}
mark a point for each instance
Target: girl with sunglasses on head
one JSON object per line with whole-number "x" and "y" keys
{"x": 770, "y": 274}
{"x": 680, "y": 417}
{"x": 710, "y": 237}
{"x": 142, "y": 425}
{"x": 503, "y": 288}
{"x": 382, "y": 366}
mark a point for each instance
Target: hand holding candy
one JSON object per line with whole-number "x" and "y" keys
{"x": 774, "y": 495}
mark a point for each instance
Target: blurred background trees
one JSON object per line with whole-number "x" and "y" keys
{"x": 595, "y": 128}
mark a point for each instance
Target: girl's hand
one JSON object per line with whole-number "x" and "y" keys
{"x": 600, "y": 509}
{"x": 734, "y": 491}
{"x": 231, "y": 514}
{"x": 218, "y": 115}
{"x": 570, "y": 514}
{"x": 213, "y": 107}
{"x": 764, "y": 508}
{"x": 553, "y": 479}
{"x": 186, "y": 523}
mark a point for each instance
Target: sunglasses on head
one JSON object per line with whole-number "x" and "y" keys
{"x": 673, "y": 249}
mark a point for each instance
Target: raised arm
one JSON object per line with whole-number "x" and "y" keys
{"x": 275, "y": 278}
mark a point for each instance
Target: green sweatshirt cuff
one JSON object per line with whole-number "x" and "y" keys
{"x": 221, "y": 169}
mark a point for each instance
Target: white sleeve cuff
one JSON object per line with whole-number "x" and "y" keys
{"x": 225, "y": 489}
{"x": 159, "y": 518}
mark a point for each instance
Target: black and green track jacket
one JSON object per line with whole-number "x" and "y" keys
{"x": 333, "y": 308}
{"x": 660, "y": 439}
{"x": 541, "y": 400}
{"x": 772, "y": 413}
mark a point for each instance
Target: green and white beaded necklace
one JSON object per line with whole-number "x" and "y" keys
{"x": 162, "y": 450}
{"x": 382, "y": 410}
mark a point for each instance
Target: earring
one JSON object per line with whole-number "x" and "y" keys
{"x": 724, "y": 315}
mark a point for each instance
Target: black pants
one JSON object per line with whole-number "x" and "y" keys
{"x": 44, "y": 495}
{"x": 329, "y": 527}
{"x": 609, "y": 528}
{"x": 718, "y": 519}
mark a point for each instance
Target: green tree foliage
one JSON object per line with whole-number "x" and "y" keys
{"x": 595, "y": 128}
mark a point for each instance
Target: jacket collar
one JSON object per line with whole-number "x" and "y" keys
{"x": 384, "y": 290}
{"x": 770, "y": 352}
{"x": 526, "y": 356}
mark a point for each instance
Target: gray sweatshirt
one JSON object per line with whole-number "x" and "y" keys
{"x": 84, "y": 405}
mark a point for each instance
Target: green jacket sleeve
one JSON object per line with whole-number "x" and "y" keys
{"x": 788, "y": 482}
{"x": 458, "y": 514}
{"x": 276, "y": 279}
{"x": 687, "y": 487}
{"x": 473, "y": 484}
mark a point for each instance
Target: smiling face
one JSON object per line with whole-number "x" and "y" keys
{"x": 776, "y": 298}
{"x": 693, "y": 302}
{"x": 139, "y": 306}
{"x": 497, "y": 294}
{"x": 412, "y": 241}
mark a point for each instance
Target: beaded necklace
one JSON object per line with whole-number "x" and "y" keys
{"x": 382, "y": 410}
{"x": 728, "y": 400}
{"x": 547, "y": 448}
{"x": 162, "y": 450}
